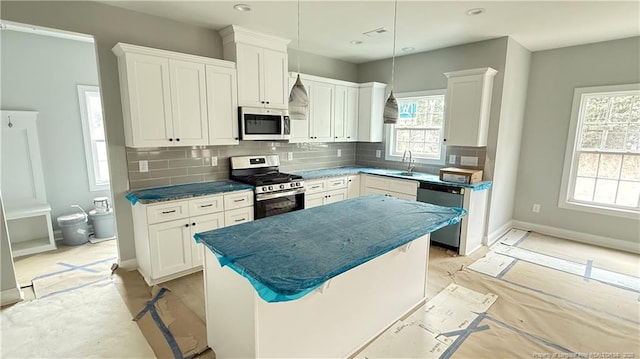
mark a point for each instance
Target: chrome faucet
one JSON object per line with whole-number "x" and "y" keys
{"x": 412, "y": 164}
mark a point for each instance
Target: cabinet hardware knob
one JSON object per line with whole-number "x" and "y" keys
{"x": 444, "y": 140}
{"x": 236, "y": 138}
{"x": 186, "y": 225}
{"x": 177, "y": 139}
{"x": 267, "y": 102}
{"x": 348, "y": 136}
{"x": 193, "y": 224}
{"x": 171, "y": 139}
{"x": 336, "y": 136}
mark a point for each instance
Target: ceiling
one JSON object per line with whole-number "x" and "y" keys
{"x": 328, "y": 27}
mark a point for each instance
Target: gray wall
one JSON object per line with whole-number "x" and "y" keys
{"x": 553, "y": 77}
{"x": 316, "y": 65}
{"x": 110, "y": 25}
{"x": 503, "y": 153}
{"x": 41, "y": 73}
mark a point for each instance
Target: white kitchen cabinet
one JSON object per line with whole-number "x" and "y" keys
{"x": 262, "y": 65}
{"x": 345, "y": 114}
{"x": 353, "y": 186}
{"x": 320, "y": 111}
{"x": 165, "y": 247}
{"x": 467, "y": 108}
{"x": 397, "y": 188}
{"x": 168, "y": 99}
{"x": 324, "y": 191}
{"x": 222, "y": 105}
{"x": 371, "y": 100}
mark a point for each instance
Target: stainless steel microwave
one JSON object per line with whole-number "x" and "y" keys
{"x": 261, "y": 124}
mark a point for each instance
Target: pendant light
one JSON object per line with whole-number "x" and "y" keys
{"x": 298, "y": 98}
{"x": 390, "y": 114}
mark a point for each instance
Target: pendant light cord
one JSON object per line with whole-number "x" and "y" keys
{"x": 298, "y": 37}
{"x": 395, "y": 30}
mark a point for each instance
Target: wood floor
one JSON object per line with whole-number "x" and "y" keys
{"x": 540, "y": 311}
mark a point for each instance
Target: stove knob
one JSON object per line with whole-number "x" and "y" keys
{"x": 264, "y": 188}
{"x": 281, "y": 186}
{"x": 270, "y": 188}
{"x": 293, "y": 185}
{"x": 297, "y": 184}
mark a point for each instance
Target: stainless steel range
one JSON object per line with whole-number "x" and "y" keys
{"x": 275, "y": 192}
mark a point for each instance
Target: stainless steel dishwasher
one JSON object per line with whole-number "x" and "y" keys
{"x": 447, "y": 196}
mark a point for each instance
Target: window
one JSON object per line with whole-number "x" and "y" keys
{"x": 602, "y": 162}
{"x": 94, "y": 140}
{"x": 419, "y": 128}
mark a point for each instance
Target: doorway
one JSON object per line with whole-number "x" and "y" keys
{"x": 54, "y": 75}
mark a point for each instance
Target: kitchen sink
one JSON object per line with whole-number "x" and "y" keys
{"x": 404, "y": 173}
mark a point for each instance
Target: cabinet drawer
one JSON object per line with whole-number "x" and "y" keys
{"x": 206, "y": 205}
{"x": 376, "y": 182}
{"x": 238, "y": 200}
{"x": 315, "y": 186}
{"x": 237, "y": 216}
{"x": 337, "y": 182}
{"x": 167, "y": 211}
{"x": 407, "y": 187}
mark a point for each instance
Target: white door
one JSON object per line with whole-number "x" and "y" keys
{"x": 276, "y": 79}
{"x": 340, "y": 114}
{"x": 314, "y": 200}
{"x": 320, "y": 111}
{"x": 299, "y": 128}
{"x": 335, "y": 196}
{"x": 200, "y": 224}
{"x": 351, "y": 110}
{"x": 250, "y": 84}
{"x": 189, "y": 103}
{"x": 353, "y": 186}
{"x": 222, "y": 106}
{"x": 170, "y": 247}
{"x": 150, "y": 100}
{"x": 463, "y": 104}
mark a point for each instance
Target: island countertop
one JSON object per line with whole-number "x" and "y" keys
{"x": 287, "y": 256}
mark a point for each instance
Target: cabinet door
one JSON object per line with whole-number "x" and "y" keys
{"x": 170, "y": 247}
{"x": 149, "y": 100}
{"x": 299, "y": 128}
{"x": 351, "y": 113}
{"x": 189, "y": 103}
{"x": 335, "y": 196}
{"x": 237, "y": 216}
{"x": 250, "y": 85}
{"x": 320, "y": 111}
{"x": 222, "y": 106}
{"x": 203, "y": 224}
{"x": 464, "y": 96}
{"x": 276, "y": 79}
{"x": 353, "y": 186}
{"x": 314, "y": 200}
{"x": 340, "y": 114}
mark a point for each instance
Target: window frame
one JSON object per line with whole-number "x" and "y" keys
{"x": 390, "y": 130}
{"x": 89, "y": 148}
{"x": 570, "y": 166}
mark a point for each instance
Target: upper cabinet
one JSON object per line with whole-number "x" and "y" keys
{"x": 468, "y": 104}
{"x": 262, "y": 65}
{"x": 174, "y": 99}
{"x": 345, "y": 113}
{"x": 370, "y": 109}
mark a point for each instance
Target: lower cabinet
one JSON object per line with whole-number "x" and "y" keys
{"x": 165, "y": 247}
{"x": 324, "y": 191}
{"x": 397, "y": 188}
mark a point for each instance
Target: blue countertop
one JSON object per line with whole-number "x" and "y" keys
{"x": 420, "y": 177}
{"x": 182, "y": 191}
{"x": 287, "y": 256}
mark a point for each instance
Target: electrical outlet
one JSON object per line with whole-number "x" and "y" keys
{"x": 143, "y": 166}
{"x": 468, "y": 161}
{"x": 452, "y": 159}
{"x": 214, "y": 161}
{"x": 289, "y": 156}
{"x": 535, "y": 208}
{"x": 378, "y": 153}
{"x": 339, "y": 153}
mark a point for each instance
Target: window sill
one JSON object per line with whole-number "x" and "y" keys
{"x": 593, "y": 208}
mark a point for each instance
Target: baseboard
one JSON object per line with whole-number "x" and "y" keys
{"x": 129, "y": 264}
{"x": 10, "y": 296}
{"x": 498, "y": 233}
{"x": 601, "y": 241}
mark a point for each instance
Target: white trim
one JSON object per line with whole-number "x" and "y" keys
{"x": 122, "y": 49}
{"x": 89, "y": 151}
{"x": 388, "y": 130}
{"x": 569, "y": 166}
{"x": 45, "y": 31}
{"x": 129, "y": 264}
{"x": 494, "y": 236}
{"x": 588, "y": 238}
{"x": 10, "y": 296}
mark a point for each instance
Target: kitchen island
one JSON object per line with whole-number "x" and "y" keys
{"x": 320, "y": 282}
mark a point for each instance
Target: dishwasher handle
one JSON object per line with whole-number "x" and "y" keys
{"x": 442, "y": 188}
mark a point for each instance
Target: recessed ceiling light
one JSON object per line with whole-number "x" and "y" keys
{"x": 242, "y": 7}
{"x": 475, "y": 11}
{"x": 408, "y": 49}
{"x": 355, "y": 42}
{"x": 374, "y": 32}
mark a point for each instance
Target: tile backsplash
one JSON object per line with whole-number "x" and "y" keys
{"x": 173, "y": 165}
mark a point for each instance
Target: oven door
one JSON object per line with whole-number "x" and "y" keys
{"x": 270, "y": 204}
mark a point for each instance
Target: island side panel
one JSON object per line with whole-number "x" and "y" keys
{"x": 472, "y": 234}
{"x": 230, "y": 310}
{"x": 355, "y": 307}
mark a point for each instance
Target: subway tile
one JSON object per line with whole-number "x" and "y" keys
{"x": 216, "y": 177}
{"x": 187, "y": 179}
{"x": 200, "y": 170}
{"x": 136, "y": 176}
{"x": 149, "y": 183}
{"x": 170, "y": 172}
{"x": 167, "y": 154}
{"x": 186, "y": 162}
